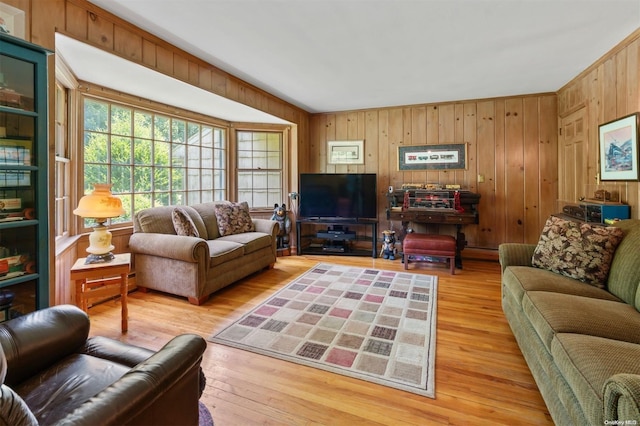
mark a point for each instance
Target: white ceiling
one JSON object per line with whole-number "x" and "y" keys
{"x": 334, "y": 55}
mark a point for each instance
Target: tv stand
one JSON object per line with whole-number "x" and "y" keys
{"x": 354, "y": 237}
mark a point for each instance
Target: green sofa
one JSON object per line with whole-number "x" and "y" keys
{"x": 581, "y": 342}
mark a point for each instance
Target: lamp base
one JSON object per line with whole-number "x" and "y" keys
{"x": 99, "y": 258}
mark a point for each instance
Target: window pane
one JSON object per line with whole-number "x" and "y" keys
{"x": 194, "y": 197}
{"x": 142, "y": 151}
{"x": 120, "y": 120}
{"x": 162, "y": 199}
{"x": 96, "y": 116}
{"x": 94, "y": 173}
{"x": 121, "y": 179}
{"x": 178, "y": 179}
{"x": 193, "y": 156}
{"x": 161, "y": 153}
{"x": 178, "y": 131}
{"x": 193, "y": 131}
{"x": 193, "y": 178}
{"x": 206, "y": 158}
{"x": 141, "y": 201}
{"x": 161, "y": 128}
{"x": 142, "y": 179}
{"x": 143, "y": 125}
{"x": 178, "y": 156}
{"x": 95, "y": 147}
{"x": 121, "y": 150}
{"x": 207, "y": 136}
{"x": 161, "y": 179}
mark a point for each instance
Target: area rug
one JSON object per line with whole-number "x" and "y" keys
{"x": 370, "y": 324}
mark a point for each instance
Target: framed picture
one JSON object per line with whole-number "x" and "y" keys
{"x": 619, "y": 149}
{"x": 432, "y": 157}
{"x": 345, "y": 152}
{"x": 15, "y": 151}
{"x": 12, "y": 21}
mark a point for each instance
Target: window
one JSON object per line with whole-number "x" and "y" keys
{"x": 152, "y": 159}
{"x": 62, "y": 165}
{"x": 260, "y": 174}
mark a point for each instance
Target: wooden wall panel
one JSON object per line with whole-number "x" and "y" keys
{"x": 608, "y": 89}
{"x": 506, "y": 140}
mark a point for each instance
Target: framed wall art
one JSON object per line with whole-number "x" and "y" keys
{"x": 432, "y": 157}
{"x": 345, "y": 152}
{"x": 619, "y": 148}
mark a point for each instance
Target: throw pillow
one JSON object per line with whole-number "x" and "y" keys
{"x": 577, "y": 250}
{"x": 233, "y": 218}
{"x": 183, "y": 224}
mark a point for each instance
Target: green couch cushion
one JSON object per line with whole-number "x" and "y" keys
{"x": 552, "y": 313}
{"x": 624, "y": 276}
{"x": 586, "y": 362}
{"x": 520, "y": 279}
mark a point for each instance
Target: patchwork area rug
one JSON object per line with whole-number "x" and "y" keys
{"x": 369, "y": 324}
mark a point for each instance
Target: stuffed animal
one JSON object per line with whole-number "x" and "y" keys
{"x": 388, "y": 245}
{"x": 280, "y": 215}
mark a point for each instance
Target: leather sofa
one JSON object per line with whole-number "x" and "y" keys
{"x": 196, "y": 266}
{"x": 52, "y": 373}
{"x": 581, "y": 342}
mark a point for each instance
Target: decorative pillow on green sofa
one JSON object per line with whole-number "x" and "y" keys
{"x": 577, "y": 250}
{"x": 183, "y": 224}
{"x": 233, "y": 218}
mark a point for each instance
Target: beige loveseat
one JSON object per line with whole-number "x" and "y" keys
{"x": 195, "y": 267}
{"x": 581, "y": 342}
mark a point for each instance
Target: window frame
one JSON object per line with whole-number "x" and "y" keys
{"x": 285, "y": 154}
{"x": 150, "y": 107}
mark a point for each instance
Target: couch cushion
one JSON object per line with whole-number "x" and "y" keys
{"x": 159, "y": 220}
{"x": 577, "y": 250}
{"x": 552, "y": 313}
{"x": 223, "y": 251}
{"x": 182, "y": 223}
{"x": 252, "y": 241}
{"x": 586, "y": 362}
{"x": 233, "y": 218}
{"x": 207, "y": 212}
{"x": 520, "y": 279}
{"x": 624, "y": 277}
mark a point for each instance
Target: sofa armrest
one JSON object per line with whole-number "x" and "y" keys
{"x": 164, "y": 388}
{"x": 178, "y": 247}
{"x": 267, "y": 226}
{"x": 39, "y": 339}
{"x": 515, "y": 254}
{"x": 622, "y": 398}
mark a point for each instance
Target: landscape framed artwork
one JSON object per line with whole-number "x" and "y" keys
{"x": 619, "y": 148}
{"x": 345, "y": 152}
{"x": 432, "y": 157}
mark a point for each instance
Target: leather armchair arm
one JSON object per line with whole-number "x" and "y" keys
{"x": 178, "y": 247}
{"x": 161, "y": 390}
{"x": 116, "y": 351}
{"x": 37, "y": 340}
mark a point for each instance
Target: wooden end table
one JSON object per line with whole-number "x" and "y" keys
{"x": 102, "y": 280}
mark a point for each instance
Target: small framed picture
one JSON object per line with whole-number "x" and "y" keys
{"x": 345, "y": 152}
{"x": 619, "y": 148}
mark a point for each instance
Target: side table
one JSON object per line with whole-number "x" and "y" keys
{"x": 102, "y": 280}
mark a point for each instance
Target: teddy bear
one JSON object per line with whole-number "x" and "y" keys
{"x": 280, "y": 215}
{"x": 388, "y": 245}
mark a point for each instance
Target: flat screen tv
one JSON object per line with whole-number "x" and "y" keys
{"x": 338, "y": 196}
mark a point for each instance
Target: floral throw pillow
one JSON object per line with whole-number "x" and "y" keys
{"x": 183, "y": 224}
{"x": 577, "y": 250}
{"x": 233, "y": 218}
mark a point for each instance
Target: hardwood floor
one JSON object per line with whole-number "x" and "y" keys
{"x": 481, "y": 376}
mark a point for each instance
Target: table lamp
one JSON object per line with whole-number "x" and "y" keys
{"x": 100, "y": 205}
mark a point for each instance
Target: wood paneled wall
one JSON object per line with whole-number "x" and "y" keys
{"x": 608, "y": 89}
{"x": 511, "y": 157}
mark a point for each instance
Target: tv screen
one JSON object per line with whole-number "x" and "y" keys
{"x": 332, "y": 195}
